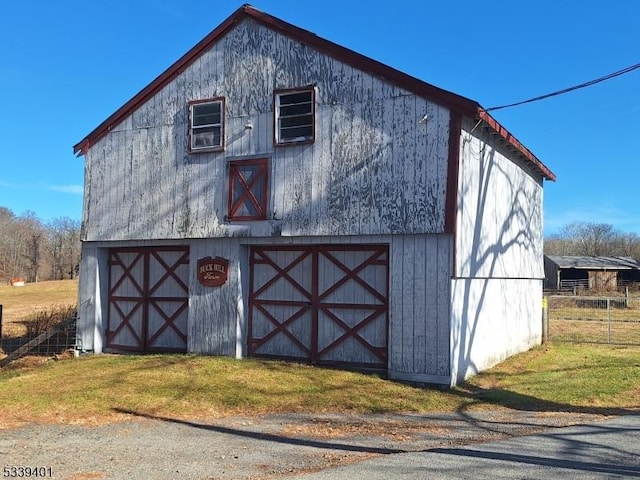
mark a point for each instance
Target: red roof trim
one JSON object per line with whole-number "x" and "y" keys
{"x": 447, "y": 99}
{"x": 504, "y": 133}
{"x": 155, "y": 86}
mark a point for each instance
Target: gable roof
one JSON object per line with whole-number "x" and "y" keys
{"x": 454, "y": 102}
{"x": 594, "y": 263}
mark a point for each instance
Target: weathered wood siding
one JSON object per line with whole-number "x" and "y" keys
{"x": 499, "y": 217}
{"x": 419, "y": 292}
{"x": 92, "y": 298}
{"x": 373, "y": 168}
{"x": 216, "y": 313}
{"x": 419, "y": 300}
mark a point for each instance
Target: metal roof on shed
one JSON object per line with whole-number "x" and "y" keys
{"x": 595, "y": 263}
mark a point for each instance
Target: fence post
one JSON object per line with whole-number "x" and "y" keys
{"x": 608, "y": 320}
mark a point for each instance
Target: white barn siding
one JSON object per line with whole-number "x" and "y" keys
{"x": 460, "y": 297}
{"x": 419, "y": 308}
{"x": 492, "y": 319}
{"x": 214, "y": 313}
{"x": 499, "y": 229}
{"x": 142, "y": 182}
{"x": 497, "y": 288}
{"x": 419, "y": 276}
{"x": 92, "y": 299}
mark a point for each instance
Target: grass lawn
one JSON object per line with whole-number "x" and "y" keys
{"x": 93, "y": 390}
{"x": 556, "y": 377}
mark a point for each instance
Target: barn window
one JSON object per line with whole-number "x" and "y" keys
{"x": 294, "y": 112}
{"x": 248, "y": 182}
{"x": 206, "y": 125}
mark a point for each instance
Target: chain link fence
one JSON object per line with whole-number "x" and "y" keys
{"x": 612, "y": 320}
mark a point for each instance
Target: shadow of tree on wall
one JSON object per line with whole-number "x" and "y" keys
{"x": 484, "y": 261}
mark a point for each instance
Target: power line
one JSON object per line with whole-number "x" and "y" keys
{"x": 570, "y": 89}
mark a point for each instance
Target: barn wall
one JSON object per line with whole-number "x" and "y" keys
{"x": 373, "y": 169}
{"x": 499, "y": 213}
{"x": 420, "y": 292}
{"x": 92, "y": 299}
{"x": 215, "y": 312}
{"x": 551, "y": 275}
{"x": 419, "y": 306}
{"x": 419, "y": 276}
{"x": 492, "y": 319}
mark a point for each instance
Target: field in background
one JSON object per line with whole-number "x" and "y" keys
{"x": 21, "y": 302}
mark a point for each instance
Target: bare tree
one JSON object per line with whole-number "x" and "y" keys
{"x": 593, "y": 239}
{"x": 32, "y": 250}
{"x": 64, "y": 247}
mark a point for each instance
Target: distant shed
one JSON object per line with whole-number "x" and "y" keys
{"x": 601, "y": 273}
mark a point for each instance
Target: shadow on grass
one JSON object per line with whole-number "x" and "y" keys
{"x": 518, "y": 401}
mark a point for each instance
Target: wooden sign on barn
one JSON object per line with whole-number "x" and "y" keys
{"x": 369, "y": 219}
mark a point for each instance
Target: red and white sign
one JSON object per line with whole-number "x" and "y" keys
{"x": 213, "y": 272}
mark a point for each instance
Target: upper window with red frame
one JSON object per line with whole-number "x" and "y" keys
{"x": 206, "y": 125}
{"x": 294, "y": 116}
{"x": 248, "y": 189}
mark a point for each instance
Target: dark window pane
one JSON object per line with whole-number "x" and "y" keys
{"x": 207, "y": 114}
{"x": 294, "y": 133}
{"x": 289, "y": 98}
{"x": 302, "y": 121}
{"x": 299, "y": 109}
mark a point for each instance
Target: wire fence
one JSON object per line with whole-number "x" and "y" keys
{"x": 48, "y": 334}
{"x": 612, "y": 320}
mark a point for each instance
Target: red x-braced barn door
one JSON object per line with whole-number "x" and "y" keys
{"x": 148, "y": 299}
{"x": 320, "y": 304}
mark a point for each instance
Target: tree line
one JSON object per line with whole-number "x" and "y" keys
{"x": 593, "y": 239}
{"x": 33, "y": 250}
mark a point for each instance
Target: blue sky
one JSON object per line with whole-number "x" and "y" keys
{"x": 67, "y": 65}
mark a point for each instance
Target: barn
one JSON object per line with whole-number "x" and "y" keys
{"x": 571, "y": 272}
{"x": 273, "y": 194}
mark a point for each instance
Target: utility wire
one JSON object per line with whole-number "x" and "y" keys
{"x": 570, "y": 89}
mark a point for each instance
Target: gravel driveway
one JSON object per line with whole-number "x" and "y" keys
{"x": 266, "y": 447}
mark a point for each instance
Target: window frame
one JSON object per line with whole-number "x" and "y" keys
{"x": 277, "y": 140}
{"x": 263, "y": 171}
{"x": 208, "y": 148}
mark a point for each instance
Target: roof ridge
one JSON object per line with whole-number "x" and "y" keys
{"x": 453, "y": 101}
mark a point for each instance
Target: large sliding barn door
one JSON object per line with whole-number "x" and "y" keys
{"x": 148, "y": 299}
{"x": 320, "y": 304}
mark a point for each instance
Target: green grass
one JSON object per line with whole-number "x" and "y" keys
{"x": 98, "y": 389}
{"x": 565, "y": 376}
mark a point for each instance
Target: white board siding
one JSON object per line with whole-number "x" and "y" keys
{"x": 419, "y": 275}
{"x": 92, "y": 299}
{"x": 373, "y": 168}
{"x": 492, "y": 319}
{"x": 419, "y": 319}
{"x": 213, "y": 311}
{"x": 499, "y": 214}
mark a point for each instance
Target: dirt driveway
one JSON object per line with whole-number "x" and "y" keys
{"x": 274, "y": 446}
